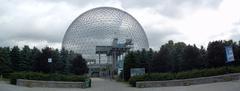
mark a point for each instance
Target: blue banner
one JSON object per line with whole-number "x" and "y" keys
{"x": 229, "y": 54}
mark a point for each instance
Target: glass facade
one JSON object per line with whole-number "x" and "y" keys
{"x": 98, "y": 27}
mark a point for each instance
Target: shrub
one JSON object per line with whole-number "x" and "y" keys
{"x": 14, "y": 76}
{"x": 184, "y": 75}
{"x": 45, "y": 77}
{"x": 134, "y": 79}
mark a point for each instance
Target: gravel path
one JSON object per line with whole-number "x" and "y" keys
{"x": 99, "y": 84}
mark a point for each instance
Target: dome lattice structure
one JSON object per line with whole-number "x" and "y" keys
{"x": 98, "y": 27}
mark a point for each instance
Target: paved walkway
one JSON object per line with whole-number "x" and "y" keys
{"x": 108, "y": 85}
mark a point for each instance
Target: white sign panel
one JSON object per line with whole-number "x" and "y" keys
{"x": 50, "y": 60}
{"x": 137, "y": 71}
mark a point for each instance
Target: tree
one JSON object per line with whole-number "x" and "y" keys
{"x": 192, "y": 58}
{"x": 129, "y": 62}
{"x": 142, "y": 59}
{"x": 64, "y": 59}
{"x": 35, "y": 57}
{"x": 3, "y": 67}
{"x": 149, "y": 60}
{"x": 79, "y": 65}
{"x": 216, "y": 54}
{"x": 169, "y": 58}
{"x": 161, "y": 59}
{"x": 58, "y": 65}
{"x": 236, "y": 49}
{"x": 26, "y": 62}
{"x": 203, "y": 57}
{"x": 41, "y": 64}
{"x": 177, "y": 56}
{"x": 16, "y": 59}
{"x": 4, "y": 61}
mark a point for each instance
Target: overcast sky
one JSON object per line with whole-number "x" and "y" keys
{"x": 43, "y": 22}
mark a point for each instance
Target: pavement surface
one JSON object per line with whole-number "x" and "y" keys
{"x": 99, "y": 84}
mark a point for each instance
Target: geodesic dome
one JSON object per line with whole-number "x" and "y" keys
{"x": 98, "y": 27}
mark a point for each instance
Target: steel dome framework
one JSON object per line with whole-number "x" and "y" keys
{"x": 98, "y": 27}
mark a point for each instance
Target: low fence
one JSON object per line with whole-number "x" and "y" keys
{"x": 52, "y": 84}
{"x": 187, "y": 82}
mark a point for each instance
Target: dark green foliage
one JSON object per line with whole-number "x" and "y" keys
{"x": 41, "y": 64}
{"x": 27, "y": 59}
{"x": 64, "y": 64}
{"x": 172, "y": 57}
{"x": 192, "y": 58}
{"x": 58, "y": 65}
{"x": 45, "y": 77}
{"x": 138, "y": 59}
{"x": 184, "y": 75}
{"x": 79, "y": 65}
{"x": 178, "y": 57}
{"x": 5, "y": 64}
{"x": 129, "y": 62}
{"x": 26, "y": 62}
{"x": 160, "y": 60}
{"x": 34, "y": 58}
{"x": 16, "y": 59}
{"x": 169, "y": 58}
{"x": 216, "y": 54}
{"x": 151, "y": 77}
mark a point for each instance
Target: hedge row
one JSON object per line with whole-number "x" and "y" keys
{"x": 45, "y": 77}
{"x": 183, "y": 75}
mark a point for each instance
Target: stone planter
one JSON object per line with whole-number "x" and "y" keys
{"x": 186, "y": 82}
{"x": 51, "y": 84}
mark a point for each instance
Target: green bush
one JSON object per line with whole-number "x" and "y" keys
{"x": 151, "y": 77}
{"x": 132, "y": 81}
{"x": 45, "y": 77}
{"x": 14, "y": 76}
{"x": 184, "y": 75}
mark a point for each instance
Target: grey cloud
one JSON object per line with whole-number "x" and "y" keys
{"x": 171, "y": 8}
{"x": 235, "y": 34}
{"x": 158, "y": 37}
{"x": 79, "y": 3}
{"x": 168, "y": 3}
{"x": 17, "y": 25}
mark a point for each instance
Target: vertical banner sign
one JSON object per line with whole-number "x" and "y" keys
{"x": 229, "y": 54}
{"x": 119, "y": 66}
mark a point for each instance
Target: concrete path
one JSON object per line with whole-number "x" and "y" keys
{"x": 99, "y": 84}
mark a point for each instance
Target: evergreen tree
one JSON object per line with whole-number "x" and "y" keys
{"x": 26, "y": 61}
{"x": 4, "y": 61}
{"x": 34, "y": 58}
{"x": 203, "y": 57}
{"x": 64, "y": 58}
{"x": 177, "y": 55}
{"x": 161, "y": 60}
{"x": 79, "y": 65}
{"x": 58, "y": 65}
{"x": 41, "y": 64}
{"x": 216, "y": 54}
{"x": 191, "y": 57}
{"x": 129, "y": 62}
{"x": 149, "y": 60}
{"x": 16, "y": 59}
